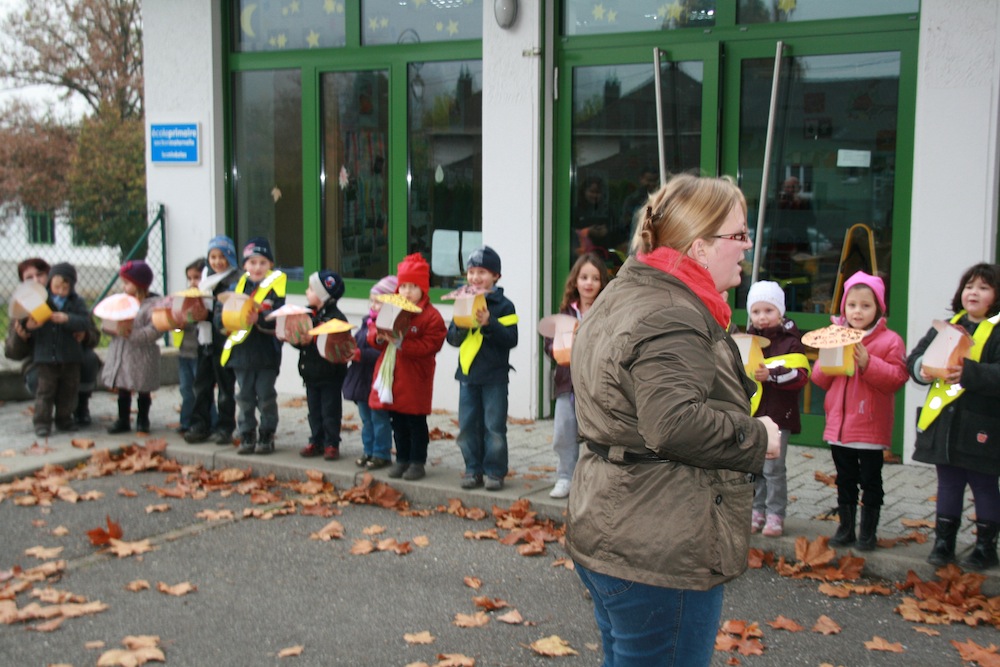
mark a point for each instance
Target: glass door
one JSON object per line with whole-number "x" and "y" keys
{"x": 608, "y": 156}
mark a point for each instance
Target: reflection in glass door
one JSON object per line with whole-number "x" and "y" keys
{"x": 833, "y": 167}
{"x": 614, "y": 156}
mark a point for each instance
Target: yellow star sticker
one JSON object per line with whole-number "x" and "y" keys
{"x": 419, "y": 3}
{"x": 312, "y": 39}
{"x": 329, "y": 6}
{"x": 294, "y": 6}
{"x": 284, "y": 11}
{"x": 373, "y": 24}
{"x": 787, "y": 5}
{"x": 674, "y": 11}
{"x": 439, "y": 26}
{"x": 598, "y": 12}
{"x": 612, "y": 15}
{"x": 282, "y": 40}
{"x": 270, "y": 41}
{"x": 384, "y": 22}
{"x": 452, "y": 27}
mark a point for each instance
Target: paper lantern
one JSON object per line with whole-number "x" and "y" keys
{"x": 836, "y": 348}
{"x": 236, "y": 311}
{"x": 468, "y": 300}
{"x": 395, "y": 313}
{"x": 162, "y": 315}
{"x": 561, "y": 328}
{"x": 334, "y": 341}
{"x": 117, "y": 312}
{"x": 751, "y": 351}
{"x": 950, "y": 346}
{"x": 292, "y": 324}
{"x": 30, "y": 299}
{"x": 190, "y": 305}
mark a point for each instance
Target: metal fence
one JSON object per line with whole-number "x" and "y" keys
{"x": 52, "y": 239}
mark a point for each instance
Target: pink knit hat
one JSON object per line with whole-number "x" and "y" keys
{"x": 868, "y": 280}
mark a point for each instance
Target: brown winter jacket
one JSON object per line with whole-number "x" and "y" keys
{"x": 133, "y": 363}
{"x": 654, "y": 374}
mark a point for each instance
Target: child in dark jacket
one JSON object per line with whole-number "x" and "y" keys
{"x": 57, "y": 352}
{"x": 860, "y": 409}
{"x": 483, "y": 368}
{"x": 376, "y": 427}
{"x": 255, "y": 353}
{"x": 218, "y": 278}
{"x": 323, "y": 379}
{"x": 781, "y": 377}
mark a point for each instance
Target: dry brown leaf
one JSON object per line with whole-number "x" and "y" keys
{"x": 512, "y": 617}
{"x": 917, "y": 523}
{"x": 215, "y": 515}
{"x": 362, "y": 547}
{"x": 473, "y": 582}
{"x": 291, "y": 651}
{"x": 97, "y": 643}
{"x": 43, "y": 553}
{"x": 123, "y": 549}
{"x": 373, "y": 530}
{"x": 421, "y": 541}
{"x": 99, "y": 537}
{"x": 125, "y": 658}
{"x": 930, "y": 632}
{"x": 127, "y": 493}
{"x": 782, "y": 623}
{"x": 331, "y": 531}
{"x": 60, "y": 531}
{"x": 162, "y": 507}
{"x": 137, "y": 585}
{"x": 826, "y": 626}
{"x": 48, "y": 626}
{"x": 454, "y": 660}
{"x": 552, "y": 645}
{"x": 879, "y": 644}
{"x": 477, "y": 620}
{"x": 133, "y": 642}
{"x": 824, "y": 478}
{"x": 176, "y": 590}
{"x": 564, "y": 562}
{"x": 82, "y": 443}
{"x": 983, "y": 656}
{"x": 424, "y": 637}
{"x": 489, "y": 604}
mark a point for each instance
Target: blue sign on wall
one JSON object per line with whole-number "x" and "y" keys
{"x": 174, "y": 143}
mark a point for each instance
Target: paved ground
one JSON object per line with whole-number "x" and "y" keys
{"x": 909, "y": 489}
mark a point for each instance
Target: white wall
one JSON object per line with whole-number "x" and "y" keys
{"x": 954, "y": 212}
{"x": 183, "y": 84}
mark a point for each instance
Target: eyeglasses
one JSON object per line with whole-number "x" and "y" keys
{"x": 739, "y": 237}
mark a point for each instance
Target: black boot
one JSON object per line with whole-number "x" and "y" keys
{"x": 82, "y": 412}
{"x": 845, "y": 534}
{"x": 984, "y": 554}
{"x": 945, "y": 531}
{"x": 124, "y": 423}
{"x": 144, "y": 401}
{"x": 866, "y": 534}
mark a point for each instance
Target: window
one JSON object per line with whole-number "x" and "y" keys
{"x": 280, "y": 26}
{"x": 787, "y": 11}
{"x": 586, "y": 17}
{"x": 420, "y": 21}
{"x": 41, "y": 227}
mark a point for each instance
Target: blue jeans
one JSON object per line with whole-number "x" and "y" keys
{"x": 376, "y": 431}
{"x": 257, "y": 392}
{"x": 185, "y": 370}
{"x": 643, "y": 625}
{"x": 482, "y": 423}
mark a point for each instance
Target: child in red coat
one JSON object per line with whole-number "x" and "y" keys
{"x": 407, "y": 390}
{"x": 860, "y": 408}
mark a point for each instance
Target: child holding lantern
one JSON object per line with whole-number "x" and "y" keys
{"x": 860, "y": 408}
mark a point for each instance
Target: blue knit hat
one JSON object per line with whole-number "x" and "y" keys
{"x": 327, "y": 285}
{"x": 225, "y": 245}
{"x": 260, "y": 246}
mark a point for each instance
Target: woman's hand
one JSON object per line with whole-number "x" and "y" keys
{"x": 773, "y": 437}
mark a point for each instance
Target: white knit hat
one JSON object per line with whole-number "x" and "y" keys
{"x": 768, "y": 292}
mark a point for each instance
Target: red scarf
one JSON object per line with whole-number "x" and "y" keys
{"x": 696, "y": 278}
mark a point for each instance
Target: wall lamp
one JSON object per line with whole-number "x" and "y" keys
{"x": 505, "y": 12}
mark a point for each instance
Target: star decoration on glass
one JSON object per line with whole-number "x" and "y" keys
{"x": 383, "y": 22}
{"x": 612, "y": 15}
{"x": 373, "y": 24}
{"x": 598, "y": 12}
{"x": 787, "y": 6}
{"x": 674, "y": 11}
{"x": 312, "y": 39}
{"x": 439, "y": 26}
{"x": 282, "y": 40}
{"x": 419, "y": 3}
{"x": 452, "y": 28}
{"x": 293, "y": 6}
{"x": 329, "y": 6}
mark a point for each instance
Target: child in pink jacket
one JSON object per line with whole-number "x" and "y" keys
{"x": 860, "y": 408}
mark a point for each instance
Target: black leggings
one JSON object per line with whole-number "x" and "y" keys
{"x": 858, "y": 467}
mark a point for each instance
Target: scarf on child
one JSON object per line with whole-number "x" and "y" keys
{"x": 694, "y": 276}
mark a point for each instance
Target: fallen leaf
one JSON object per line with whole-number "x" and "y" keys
{"x": 331, "y": 531}
{"x": 99, "y": 537}
{"x": 82, "y": 443}
{"x": 477, "y": 620}
{"x": 43, "y": 553}
{"x": 162, "y": 507}
{"x": 552, "y": 645}
{"x": 512, "y": 617}
{"x": 879, "y": 644}
{"x": 373, "y": 530}
{"x": 782, "y": 623}
{"x": 970, "y": 651}
{"x": 472, "y": 582}
{"x": 930, "y": 632}
{"x": 127, "y": 493}
{"x": 826, "y": 626}
{"x": 123, "y": 549}
{"x": 48, "y": 626}
{"x": 137, "y": 585}
{"x": 489, "y": 604}
{"x": 824, "y": 478}
{"x": 424, "y": 637}
{"x": 362, "y": 547}
{"x": 421, "y": 541}
{"x": 291, "y": 651}
{"x": 60, "y": 531}
{"x": 97, "y": 643}
{"x": 215, "y": 515}
{"x": 176, "y": 590}
{"x": 454, "y": 660}
{"x": 917, "y": 523}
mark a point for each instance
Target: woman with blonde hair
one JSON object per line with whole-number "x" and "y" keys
{"x": 660, "y": 513}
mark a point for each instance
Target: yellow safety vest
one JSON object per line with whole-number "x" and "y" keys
{"x": 792, "y": 360}
{"x": 469, "y": 348}
{"x": 275, "y": 280}
{"x": 941, "y": 393}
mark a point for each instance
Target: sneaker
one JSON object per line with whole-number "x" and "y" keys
{"x": 266, "y": 443}
{"x": 470, "y": 481}
{"x": 42, "y": 431}
{"x": 756, "y": 521}
{"x": 310, "y": 451}
{"x": 142, "y": 426}
{"x": 223, "y": 438}
{"x": 774, "y": 526}
{"x": 375, "y": 463}
{"x": 68, "y": 425}
{"x": 248, "y": 443}
{"x": 119, "y": 426}
{"x": 561, "y": 489}
{"x": 494, "y": 483}
{"x": 362, "y": 461}
{"x": 398, "y": 468}
{"x": 196, "y": 436}
{"x": 414, "y": 472}
{"x": 331, "y": 453}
